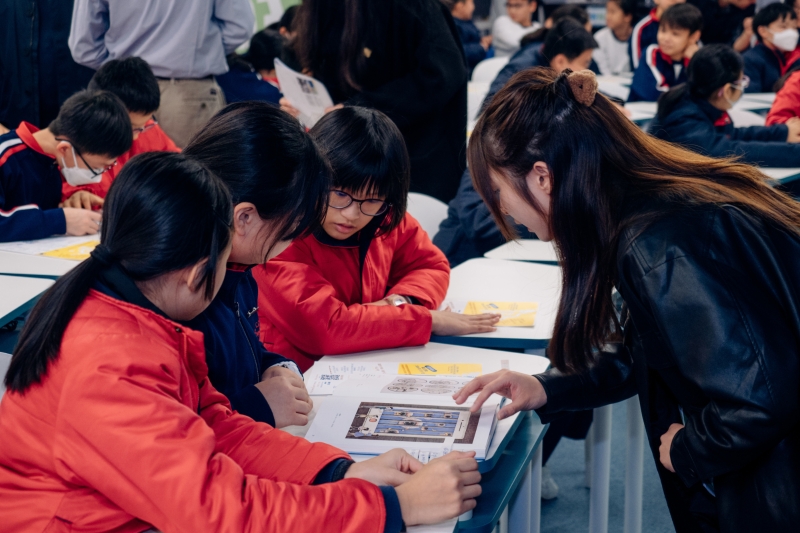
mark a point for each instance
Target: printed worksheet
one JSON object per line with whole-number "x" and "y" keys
{"x": 305, "y": 93}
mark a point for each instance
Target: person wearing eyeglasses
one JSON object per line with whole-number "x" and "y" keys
{"x": 695, "y": 114}
{"x": 91, "y": 130}
{"x": 133, "y": 81}
{"x": 508, "y": 29}
{"x": 370, "y": 278}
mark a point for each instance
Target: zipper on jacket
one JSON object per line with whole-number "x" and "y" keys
{"x": 244, "y": 331}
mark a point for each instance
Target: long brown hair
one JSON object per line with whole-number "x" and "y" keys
{"x": 599, "y": 161}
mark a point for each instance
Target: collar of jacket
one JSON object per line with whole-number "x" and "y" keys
{"x": 670, "y": 61}
{"x": 361, "y": 240}
{"x": 115, "y": 282}
{"x": 233, "y": 276}
{"x": 717, "y": 116}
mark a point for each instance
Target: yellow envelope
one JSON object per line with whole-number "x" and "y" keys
{"x": 515, "y": 314}
{"x": 76, "y": 252}
{"x": 435, "y": 369}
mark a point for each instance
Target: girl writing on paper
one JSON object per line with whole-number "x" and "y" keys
{"x": 369, "y": 278}
{"x": 704, "y": 253}
{"x": 110, "y": 422}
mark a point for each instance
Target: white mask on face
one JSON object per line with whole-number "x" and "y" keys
{"x": 77, "y": 176}
{"x": 785, "y": 40}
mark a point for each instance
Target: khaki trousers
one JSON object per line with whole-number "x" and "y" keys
{"x": 186, "y": 106}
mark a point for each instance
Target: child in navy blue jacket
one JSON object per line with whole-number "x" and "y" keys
{"x": 476, "y": 47}
{"x": 663, "y": 65}
{"x": 278, "y": 181}
{"x": 775, "y": 27}
{"x": 695, "y": 114}
{"x": 252, "y": 76}
{"x": 645, "y": 32}
{"x": 91, "y": 130}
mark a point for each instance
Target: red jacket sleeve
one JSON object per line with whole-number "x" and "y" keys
{"x": 307, "y": 311}
{"x": 787, "y": 101}
{"x": 419, "y": 268}
{"x": 123, "y": 431}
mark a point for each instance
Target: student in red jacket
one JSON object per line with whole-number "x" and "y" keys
{"x": 370, "y": 278}
{"x": 787, "y": 99}
{"x": 132, "y": 80}
{"x": 110, "y": 422}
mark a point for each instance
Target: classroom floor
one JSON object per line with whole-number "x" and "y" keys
{"x": 570, "y": 511}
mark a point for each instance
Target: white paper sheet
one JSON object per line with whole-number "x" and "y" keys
{"x": 41, "y": 246}
{"x": 372, "y": 416}
{"x": 305, "y": 93}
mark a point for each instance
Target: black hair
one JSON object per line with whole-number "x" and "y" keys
{"x": 683, "y": 17}
{"x": 265, "y": 47}
{"x": 367, "y": 152}
{"x": 769, "y": 14}
{"x": 265, "y": 157}
{"x": 132, "y": 80}
{"x": 572, "y": 11}
{"x": 163, "y": 213}
{"x": 567, "y": 37}
{"x": 628, "y": 7}
{"x": 710, "y": 69}
{"x": 94, "y": 122}
{"x": 287, "y": 19}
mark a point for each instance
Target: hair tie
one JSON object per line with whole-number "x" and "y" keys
{"x": 102, "y": 255}
{"x": 583, "y": 84}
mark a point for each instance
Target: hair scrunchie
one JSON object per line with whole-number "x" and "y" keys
{"x": 583, "y": 84}
{"x": 102, "y": 255}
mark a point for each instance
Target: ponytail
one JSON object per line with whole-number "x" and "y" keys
{"x": 163, "y": 213}
{"x": 668, "y": 100}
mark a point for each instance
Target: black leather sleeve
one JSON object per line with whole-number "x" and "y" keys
{"x": 610, "y": 380}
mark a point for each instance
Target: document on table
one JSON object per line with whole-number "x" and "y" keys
{"x": 308, "y": 95}
{"x": 372, "y": 416}
{"x": 51, "y": 244}
{"x": 512, "y": 314}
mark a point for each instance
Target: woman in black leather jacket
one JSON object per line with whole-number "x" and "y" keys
{"x": 706, "y": 257}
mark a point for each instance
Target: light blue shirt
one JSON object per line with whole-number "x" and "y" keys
{"x": 178, "y": 38}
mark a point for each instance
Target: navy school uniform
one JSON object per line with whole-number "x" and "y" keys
{"x": 239, "y": 85}
{"x": 236, "y": 358}
{"x": 656, "y": 73}
{"x": 471, "y": 42}
{"x": 764, "y": 67}
{"x": 469, "y": 231}
{"x": 30, "y": 188}
{"x": 645, "y": 33}
{"x": 701, "y": 127}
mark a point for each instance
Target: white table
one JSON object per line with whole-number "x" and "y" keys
{"x": 19, "y": 294}
{"x": 524, "y": 513}
{"x": 507, "y": 281}
{"x": 525, "y": 250}
{"x": 783, "y": 175}
{"x": 769, "y": 98}
{"x": 39, "y": 266}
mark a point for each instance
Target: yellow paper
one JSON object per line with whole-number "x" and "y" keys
{"x": 76, "y": 252}
{"x": 434, "y": 369}
{"x": 514, "y": 314}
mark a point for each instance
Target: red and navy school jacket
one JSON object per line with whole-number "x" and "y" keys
{"x": 764, "y": 67}
{"x": 644, "y": 34}
{"x": 702, "y": 128}
{"x": 311, "y": 297}
{"x": 656, "y": 73}
{"x": 236, "y": 357}
{"x": 30, "y": 188}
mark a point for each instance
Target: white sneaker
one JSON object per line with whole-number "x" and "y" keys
{"x": 549, "y": 487}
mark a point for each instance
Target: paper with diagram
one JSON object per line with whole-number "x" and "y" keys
{"x": 374, "y": 415}
{"x": 307, "y": 95}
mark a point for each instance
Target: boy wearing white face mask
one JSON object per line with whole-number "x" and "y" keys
{"x": 91, "y": 130}
{"x": 775, "y": 27}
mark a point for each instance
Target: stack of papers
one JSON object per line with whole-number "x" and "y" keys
{"x": 417, "y": 413}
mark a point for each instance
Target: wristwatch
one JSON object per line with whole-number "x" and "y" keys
{"x": 397, "y": 301}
